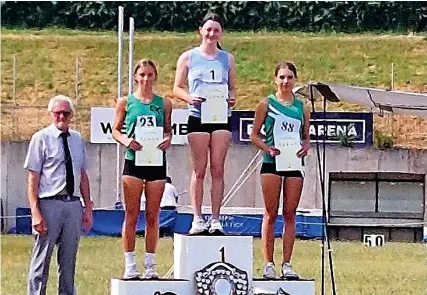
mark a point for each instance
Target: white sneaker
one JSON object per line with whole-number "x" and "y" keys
{"x": 198, "y": 226}
{"x": 150, "y": 272}
{"x": 288, "y": 272}
{"x": 269, "y": 271}
{"x": 216, "y": 227}
{"x": 131, "y": 272}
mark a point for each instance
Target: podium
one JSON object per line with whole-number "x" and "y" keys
{"x": 213, "y": 265}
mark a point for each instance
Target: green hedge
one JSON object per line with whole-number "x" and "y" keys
{"x": 184, "y": 16}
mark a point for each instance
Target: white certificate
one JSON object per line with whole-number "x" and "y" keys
{"x": 149, "y": 138}
{"x": 215, "y": 108}
{"x": 288, "y": 160}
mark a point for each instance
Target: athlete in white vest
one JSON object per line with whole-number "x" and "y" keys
{"x": 199, "y": 69}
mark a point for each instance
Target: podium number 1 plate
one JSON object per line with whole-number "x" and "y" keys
{"x": 215, "y": 108}
{"x": 149, "y": 138}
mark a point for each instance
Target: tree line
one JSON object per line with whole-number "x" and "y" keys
{"x": 347, "y": 17}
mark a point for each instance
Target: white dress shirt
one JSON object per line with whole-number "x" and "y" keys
{"x": 46, "y": 156}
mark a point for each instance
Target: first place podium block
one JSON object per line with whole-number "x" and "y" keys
{"x": 192, "y": 253}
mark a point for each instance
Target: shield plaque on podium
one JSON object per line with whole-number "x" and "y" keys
{"x": 221, "y": 278}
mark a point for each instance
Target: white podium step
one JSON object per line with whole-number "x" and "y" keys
{"x": 183, "y": 287}
{"x": 300, "y": 287}
{"x": 150, "y": 287}
{"x": 206, "y": 265}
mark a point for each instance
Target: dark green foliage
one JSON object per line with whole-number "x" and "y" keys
{"x": 345, "y": 139}
{"x": 383, "y": 141}
{"x": 346, "y": 16}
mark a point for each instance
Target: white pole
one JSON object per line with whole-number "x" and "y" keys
{"x": 131, "y": 38}
{"x": 77, "y": 66}
{"x": 392, "y": 89}
{"x": 392, "y": 76}
{"x": 230, "y": 192}
{"x": 14, "y": 79}
{"x": 226, "y": 201}
{"x": 119, "y": 94}
{"x": 120, "y": 53}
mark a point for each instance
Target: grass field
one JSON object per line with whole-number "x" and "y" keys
{"x": 397, "y": 268}
{"x": 45, "y": 66}
{"x": 45, "y": 61}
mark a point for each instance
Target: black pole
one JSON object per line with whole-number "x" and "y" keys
{"x": 322, "y": 267}
{"x": 325, "y": 222}
{"x": 331, "y": 266}
{"x": 322, "y": 187}
{"x": 322, "y": 174}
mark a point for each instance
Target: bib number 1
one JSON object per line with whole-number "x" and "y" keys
{"x": 212, "y": 75}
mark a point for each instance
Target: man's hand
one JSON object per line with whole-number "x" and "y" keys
{"x": 87, "y": 221}
{"x": 38, "y": 222}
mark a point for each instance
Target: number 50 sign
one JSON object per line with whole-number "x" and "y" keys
{"x": 374, "y": 240}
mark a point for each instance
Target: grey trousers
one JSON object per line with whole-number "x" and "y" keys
{"x": 63, "y": 220}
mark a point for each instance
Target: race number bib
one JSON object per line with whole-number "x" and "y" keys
{"x": 146, "y": 121}
{"x": 286, "y": 127}
{"x": 212, "y": 75}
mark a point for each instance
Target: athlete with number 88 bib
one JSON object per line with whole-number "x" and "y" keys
{"x": 200, "y": 71}
{"x": 142, "y": 109}
{"x": 286, "y": 119}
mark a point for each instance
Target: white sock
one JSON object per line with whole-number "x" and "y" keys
{"x": 150, "y": 258}
{"x": 130, "y": 258}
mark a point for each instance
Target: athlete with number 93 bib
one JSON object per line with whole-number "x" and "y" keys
{"x": 142, "y": 109}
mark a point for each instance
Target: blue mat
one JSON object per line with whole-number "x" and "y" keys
{"x": 250, "y": 225}
{"x": 109, "y": 223}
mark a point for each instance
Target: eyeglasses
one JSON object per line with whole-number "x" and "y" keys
{"x": 64, "y": 113}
